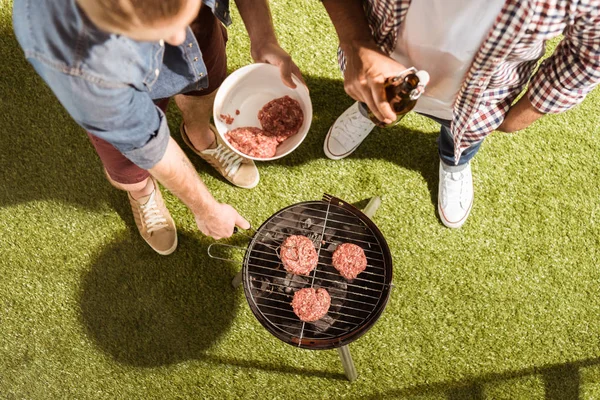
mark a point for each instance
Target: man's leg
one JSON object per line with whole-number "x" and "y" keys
{"x": 197, "y": 106}
{"x": 455, "y": 194}
{"x": 149, "y": 211}
{"x": 196, "y": 112}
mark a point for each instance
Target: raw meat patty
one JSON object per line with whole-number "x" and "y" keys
{"x": 350, "y": 260}
{"x": 310, "y": 304}
{"x": 298, "y": 255}
{"x": 252, "y": 141}
{"x": 281, "y": 118}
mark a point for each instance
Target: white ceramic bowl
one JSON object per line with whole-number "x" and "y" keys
{"x": 248, "y": 89}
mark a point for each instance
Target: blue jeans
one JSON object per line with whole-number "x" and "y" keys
{"x": 446, "y": 144}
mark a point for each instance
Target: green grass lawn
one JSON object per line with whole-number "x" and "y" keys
{"x": 507, "y": 307}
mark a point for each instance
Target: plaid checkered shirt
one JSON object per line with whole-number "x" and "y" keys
{"x": 506, "y": 61}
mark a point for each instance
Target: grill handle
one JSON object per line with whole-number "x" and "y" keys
{"x": 372, "y": 206}
{"x": 235, "y": 231}
{"x": 223, "y": 245}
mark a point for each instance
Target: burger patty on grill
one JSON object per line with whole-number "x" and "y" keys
{"x": 350, "y": 260}
{"x": 298, "y": 255}
{"x": 253, "y": 142}
{"x": 281, "y": 118}
{"x": 310, "y": 304}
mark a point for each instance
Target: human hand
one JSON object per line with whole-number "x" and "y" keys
{"x": 220, "y": 220}
{"x": 271, "y": 53}
{"x": 367, "y": 68}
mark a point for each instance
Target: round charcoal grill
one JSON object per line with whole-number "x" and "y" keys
{"x": 355, "y": 304}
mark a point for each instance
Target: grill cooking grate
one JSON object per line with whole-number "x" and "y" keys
{"x": 270, "y": 289}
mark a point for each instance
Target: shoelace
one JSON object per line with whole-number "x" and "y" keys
{"x": 354, "y": 128}
{"x": 153, "y": 218}
{"x": 452, "y": 190}
{"x": 230, "y": 161}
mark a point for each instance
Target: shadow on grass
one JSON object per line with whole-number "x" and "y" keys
{"x": 272, "y": 367}
{"x": 561, "y": 382}
{"x": 146, "y": 310}
{"x": 44, "y": 155}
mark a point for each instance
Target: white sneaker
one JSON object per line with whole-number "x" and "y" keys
{"x": 347, "y": 133}
{"x": 455, "y": 194}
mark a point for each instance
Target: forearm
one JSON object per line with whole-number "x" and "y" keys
{"x": 520, "y": 116}
{"x": 264, "y": 47}
{"x": 348, "y": 18}
{"x": 365, "y": 66}
{"x": 257, "y": 19}
{"x": 177, "y": 174}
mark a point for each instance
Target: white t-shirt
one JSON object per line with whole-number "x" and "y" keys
{"x": 442, "y": 37}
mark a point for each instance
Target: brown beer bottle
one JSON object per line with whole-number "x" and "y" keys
{"x": 402, "y": 92}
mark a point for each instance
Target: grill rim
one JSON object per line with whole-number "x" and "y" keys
{"x": 352, "y": 334}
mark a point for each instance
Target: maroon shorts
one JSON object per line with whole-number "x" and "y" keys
{"x": 212, "y": 38}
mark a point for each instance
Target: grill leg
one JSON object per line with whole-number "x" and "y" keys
{"x": 346, "y": 358}
{"x": 371, "y": 208}
{"x": 237, "y": 280}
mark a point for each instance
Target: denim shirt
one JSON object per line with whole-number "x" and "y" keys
{"x": 107, "y": 82}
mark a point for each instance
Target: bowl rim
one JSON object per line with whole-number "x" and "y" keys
{"x": 224, "y": 90}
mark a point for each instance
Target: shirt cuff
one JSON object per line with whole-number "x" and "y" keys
{"x": 154, "y": 150}
{"x": 549, "y": 93}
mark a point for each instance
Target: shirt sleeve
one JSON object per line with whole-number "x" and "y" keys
{"x": 120, "y": 114}
{"x": 565, "y": 78}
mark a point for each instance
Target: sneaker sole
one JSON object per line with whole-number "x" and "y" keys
{"x": 186, "y": 140}
{"x": 457, "y": 224}
{"x": 332, "y": 156}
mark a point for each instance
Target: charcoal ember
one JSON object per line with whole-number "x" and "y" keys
{"x": 329, "y": 234}
{"x": 261, "y": 287}
{"x": 312, "y": 223}
{"x": 332, "y": 246}
{"x": 267, "y": 244}
{"x": 315, "y": 238}
{"x": 316, "y": 215}
{"x": 275, "y": 235}
{"x": 337, "y": 291}
{"x": 307, "y": 223}
{"x": 289, "y": 282}
{"x": 323, "y": 324}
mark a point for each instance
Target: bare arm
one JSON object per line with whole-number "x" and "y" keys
{"x": 178, "y": 175}
{"x": 350, "y": 23}
{"x": 263, "y": 42}
{"x": 257, "y": 19}
{"x": 520, "y": 116}
{"x": 367, "y": 66}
